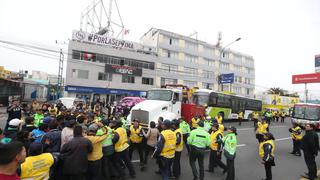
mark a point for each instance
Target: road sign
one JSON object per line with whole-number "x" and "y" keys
{"x": 226, "y": 78}
{"x": 306, "y": 78}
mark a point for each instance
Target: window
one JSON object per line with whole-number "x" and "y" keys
{"x": 238, "y": 79}
{"x": 237, "y": 90}
{"x": 169, "y": 68}
{"x": 75, "y": 54}
{"x": 224, "y": 66}
{"x": 81, "y": 74}
{"x": 174, "y": 41}
{"x": 208, "y": 74}
{"x": 168, "y": 81}
{"x": 192, "y": 59}
{"x": 248, "y": 91}
{"x": 148, "y": 81}
{"x": 191, "y": 71}
{"x": 209, "y": 50}
{"x": 209, "y": 62}
{"x": 104, "y": 76}
{"x": 170, "y": 54}
{"x": 190, "y": 84}
{"x": 127, "y": 79}
{"x": 191, "y": 46}
{"x": 237, "y": 68}
{"x": 249, "y": 70}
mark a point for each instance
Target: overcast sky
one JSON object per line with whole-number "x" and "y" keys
{"x": 282, "y": 35}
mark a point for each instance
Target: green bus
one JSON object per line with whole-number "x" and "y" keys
{"x": 226, "y": 104}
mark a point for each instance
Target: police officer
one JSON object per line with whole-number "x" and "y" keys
{"x": 207, "y": 123}
{"x": 268, "y": 116}
{"x": 261, "y": 128}
{"x": 230, "y": 147}
{"x": 198, "y": 140}
{"x": 194, "y": 122}
{"x": 165, "y": 149}
{"x": 266, "y": 153}
{"x": 216, "y": 149}
{"x": 219, "y": 118}
{"x": 240, "y": 117}
{"x": 121, "y": 146}
{"x": 255, "y": 118}
{"x": 296, "y": 134}
{"x": 185, "y": 128}
{"x": 136, "y": 137}
{"x": 176, "y": 168}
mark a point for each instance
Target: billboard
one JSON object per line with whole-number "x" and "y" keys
{"x": 226, "y": 78}
{"x": 306, "y": 78}
{"x": 123, "y": 70}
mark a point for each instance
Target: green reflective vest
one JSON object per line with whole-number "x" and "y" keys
{"x": 199, "y": 138}
{"x": 207, "y": 125}
{"x": 125, "y": 123}
{"x": 185, "y": 127}
{"x": 108, "y": 140}
{"x": 38, "y": 119}
{"x": 230, "y": 143}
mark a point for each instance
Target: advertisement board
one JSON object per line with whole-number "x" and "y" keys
{"x": 306, "y": 78}
{"x": 226, "y": 78}
{"x": 123, "y": 70}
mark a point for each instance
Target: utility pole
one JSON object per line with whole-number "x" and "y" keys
{"x": 60, "y": 72}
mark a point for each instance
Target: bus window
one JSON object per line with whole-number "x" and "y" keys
{"x": 235, "y": 105}
{"x": 224, "y": 101}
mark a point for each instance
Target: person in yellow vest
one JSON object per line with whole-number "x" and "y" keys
{"x": 51, "y": 107}
{"x": 274, "y": 116}
{"x": 136, "y": 137}
{"x": 216, "y": 149}
{"x": 37, "y": 165}
{"x": 266, "y": 153}
{"x": 261, "y": 128}
{"x": 194, "y": 122}
{"x": 221, "y": 128}
{"x": 165, "y": 149}
{"x": 120, "y": 141}
{"x": 240, "y": 117}
{"x": 176, "y": 168}
{"x": 296, "y": 134}
{"x": 283, "y": 116}
{"x": 277, "y": 114}
{"x": 255, "y": 117}
{"x": 219, "y": 118}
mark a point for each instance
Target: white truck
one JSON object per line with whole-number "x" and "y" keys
{"x": 160, "y": 102}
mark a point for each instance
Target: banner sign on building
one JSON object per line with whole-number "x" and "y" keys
{"x": 123, "y": 70}
{"x": 317, "y": 62}
{"x": 103, "y": 40}
{"x": 306, "y": 78}
{"x": 226, "y": 78}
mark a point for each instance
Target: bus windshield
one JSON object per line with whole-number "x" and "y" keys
{"x": 200, "y": 99}
{"x": 162, "y": 95}
{"x": 305, "y": 112}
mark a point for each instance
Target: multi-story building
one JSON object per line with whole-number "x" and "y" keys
{"x": 191, "y": 62}
{"x": 108, "y": 69}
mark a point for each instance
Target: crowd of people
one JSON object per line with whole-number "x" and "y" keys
{"x": 53, "y": 142}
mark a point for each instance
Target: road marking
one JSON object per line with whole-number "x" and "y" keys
{"x": 281, "y": 139}
{"x": 244, "y": 129}
{"x": 135, "y": 161}
{"x": 241, "y": 145}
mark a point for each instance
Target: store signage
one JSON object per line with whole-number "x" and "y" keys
{"x": 102, "y": 40}
{"x": 123, "y": 70}
{"x": 226, "y": 78}
{"x": 317, "y": 60}
{"x": 306, "y": 78}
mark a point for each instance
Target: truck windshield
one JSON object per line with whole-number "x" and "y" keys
{"x": 200, "y": 99}
{"x": 305, "y": 112}
{"x": 162, "y": 95}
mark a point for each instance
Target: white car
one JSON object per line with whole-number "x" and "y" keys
{"x": 69, "y": 102}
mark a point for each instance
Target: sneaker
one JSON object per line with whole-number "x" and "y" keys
{"x": 305, "y": 176}
{"x": 173, "y": 177}
{"x": 292, "y": 152}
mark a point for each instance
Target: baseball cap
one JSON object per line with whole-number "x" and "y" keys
{"x": 233, "y": 129}
{"x": 15, "y": 122}
{"x": 201, "y": 124}
{"x": 35, "y": 148}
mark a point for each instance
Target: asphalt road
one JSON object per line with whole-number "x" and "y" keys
{"x": 247, "y": 164}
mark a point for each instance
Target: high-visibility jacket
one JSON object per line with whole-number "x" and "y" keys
{"x": 108, "y": 140}
{"x": 261, "y": 150}
{"x": 135, "y": 134}
{"x": 194, "y": 122}
{"x": 37, "y": 167}
{"x": 185, "y": 127}
{"x": 296, "y": 133}
{"x": 122, "y": 143}
{"x": 262, "y": 128}
{"x": 255, "y": 115}
{"x": 199, "y": 138}
{"x": 240, "y": 115}
{"x": 221, "y": 128}
{"x": 219, "y": 119}
{"x": 179, "y": 147}
{"x": 213, "y": 137}
{"x": 169, "y": 146}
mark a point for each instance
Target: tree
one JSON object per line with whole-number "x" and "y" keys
{"x": 276, "y": 90}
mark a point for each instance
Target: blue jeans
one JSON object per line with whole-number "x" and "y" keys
{"x": 164, "y": 164}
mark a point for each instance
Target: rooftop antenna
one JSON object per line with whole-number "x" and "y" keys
{"x": 98, "y": 20}
{"x": 219, "y": 44}
{"x": 195, "y": 33}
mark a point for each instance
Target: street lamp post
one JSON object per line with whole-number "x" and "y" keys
{"x": 220, "y": 58}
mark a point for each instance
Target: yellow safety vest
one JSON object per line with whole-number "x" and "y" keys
{"x": 261, "y": 151}
{"x": 221, "y": 128}
{"x": 241, "y": 115}
{"x": 37, "y": 167}
{"x": 255, "y": 115}
{"x": 213, "y": 137}
{"x": 262, "y": 128}
{"x": 219, "y": 119}
{"x": 169, "y": 146}
{"x": 55, "y": 109}
{"x": 179, "y": 147}
{"x": 122, "y": 143}
{"x": 134, "y": 134}
{"x": 296, "y": 136}
{"x": 194, "y": 122}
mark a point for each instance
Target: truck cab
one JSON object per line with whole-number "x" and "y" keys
{"x": 160, "y": 102}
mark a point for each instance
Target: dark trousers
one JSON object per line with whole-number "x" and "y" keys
{"x": 277, "y": 118}
{"x": 164, "y": 165}
{"x": 147, "y": 151}
{"x": 240, "y": 121}
{"x": 269, "y": 120}
{"x": 185, "y": 137}
{"x": 268, "y": 167}
{"x": 74, "y": 177}
{"x": 109, "y": 167}
{"x": 124, "y": 156}
{"x": 214, "y": 159}
{"x": 139, "y": 146}
{"x": 176, "y": 168}
{"x": 94, "y": 170}
{"x": 259, "y": 137}
{"x": 296, "y": 146}
{"x": 197, "y": 154}
{"x": 282, "y": 119}
{"x": 309, "y": 158}
{"x": 230, "y": 169}
{"x": 255, "y": 121}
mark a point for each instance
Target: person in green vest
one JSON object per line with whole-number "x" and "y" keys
{"x": 198, "y": 140}
{"x": 268, "y": 116}
{"x": 230, "y": 147}
{"x": 207, "y": 123}
{"x": 108, "y": 162}
{"x": 38, "y": 117}
{"x": 124, "y": 121}
{"x": 185, "y": 128}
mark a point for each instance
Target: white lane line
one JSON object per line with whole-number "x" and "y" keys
{"x": 281, "y": 139}
{"x": 241, "y": 145}
{"x": 135, "y": 161}
{"x": 244, "y": 129}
